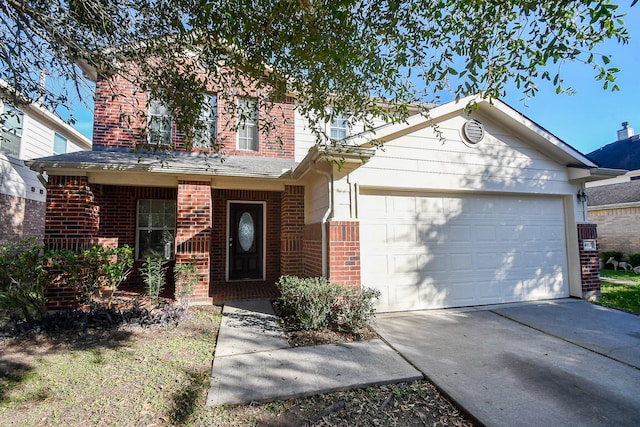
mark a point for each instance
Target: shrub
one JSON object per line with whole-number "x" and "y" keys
{"x": 116, "y": 267}
{"x": 308, "y": 300}
{"x": 634, "y": 259}
{"x": 154, "y": 274}
{"x": 22, "y": 280}
{"x": 315, "y": 303}
{"x": 186, "y": 275}
{"x": 353, "y": 310}
{"x": 617, "y": 255}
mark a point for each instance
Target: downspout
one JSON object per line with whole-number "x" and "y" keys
{"x": 328, "y": 214}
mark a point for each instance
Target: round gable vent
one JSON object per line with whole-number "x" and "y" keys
{"x": 473, "y": 131}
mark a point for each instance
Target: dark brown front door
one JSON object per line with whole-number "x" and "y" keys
{"x": 245, "y": 241}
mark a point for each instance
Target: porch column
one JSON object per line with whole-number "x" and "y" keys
{"x": 589, "y": 260}
{"x": 292, "y": 230}
{"x": 72, "y": 220}
{"x": 344, "y": 252}
{"x": 193, "y": 232}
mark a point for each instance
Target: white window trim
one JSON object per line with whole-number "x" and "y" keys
{"x": 211, "y": 120}
{"x": 252, "y": 124}
{"x": 167, "y": 140}
{"x": 330, "y": 127}
{"x": 66, "y": 144}
{"x": 137, "y": 239}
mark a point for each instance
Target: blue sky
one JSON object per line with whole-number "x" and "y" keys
{"x": 586, "y": 120}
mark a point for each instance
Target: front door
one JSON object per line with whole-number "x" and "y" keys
{"x": 246, "y": 241}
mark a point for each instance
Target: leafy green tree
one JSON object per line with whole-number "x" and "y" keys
{"x": 333, "y": 55}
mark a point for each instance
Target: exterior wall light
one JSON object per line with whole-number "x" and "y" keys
{"x": 582, "y": 196}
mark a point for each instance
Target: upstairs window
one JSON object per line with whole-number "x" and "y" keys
{"x": 12, "y": 121}
{"x": 338, "y": 127}
{"x": 207, "y": 136}
{"x": 156, "y": 229}
{"x": 247, "y": 124}
{"x": 59, "y": 144}
{"x": 158, "y": 123}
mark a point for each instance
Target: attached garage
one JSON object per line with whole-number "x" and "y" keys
{"x": 433, "y": 250}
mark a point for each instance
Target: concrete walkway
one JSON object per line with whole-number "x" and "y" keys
{"x": 564, "y": 362}
{"x": 253, "y": 361}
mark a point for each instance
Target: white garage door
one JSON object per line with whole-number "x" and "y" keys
{"x": 447, "y": 251}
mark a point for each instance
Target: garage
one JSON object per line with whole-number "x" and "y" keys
{"x": 435, "y": 250}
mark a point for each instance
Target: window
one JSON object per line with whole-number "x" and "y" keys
{"x": 156, "y": 229}
{"x": 158, "y": 123}
{"x": 12, "y": 123}
{"x": 338, "y": 127}
{"x": 207, "y": 136}
{"x": 248, "y": 124}
{"x": 59, "y": 144}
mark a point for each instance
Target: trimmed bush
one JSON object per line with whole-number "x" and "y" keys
{"x": 315, "y": 304}
{"x": 308, "y": 300}
{"x": 354, "y": 309}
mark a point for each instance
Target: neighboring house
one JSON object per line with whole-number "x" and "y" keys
{"x": 614, "y": 204}
{"x": 487, "y": 213}
{"x": 29, "y": 132}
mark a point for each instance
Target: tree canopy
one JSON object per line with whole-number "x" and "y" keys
{"x": 333, "y": 55}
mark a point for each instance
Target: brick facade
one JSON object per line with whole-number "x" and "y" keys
{"x": 618, "y": 228}
{"x": 72, "y": 217}
{"x": 20, "y": 219}
{"x": 292, "y": 231}
{"x": 344, "y": 252}
{"x": 219, "y": 234}
{"x": 589, "y": 262}
{"x": 312, "y": 250}
{"x": 193, "y": 234}
{"x": 119, "y": 121}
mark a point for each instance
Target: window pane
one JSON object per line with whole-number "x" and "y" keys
{"x": 247, "y": 124}
{"x": 209, "y": 116}
{"x": 158, "y": 123}
{"x": 12, "y": 124}
{"x": 338, "y": 129}
{"x": 143, "y": 220}
{"x": 155, "y": 244}
{"x": 59, "y": 144}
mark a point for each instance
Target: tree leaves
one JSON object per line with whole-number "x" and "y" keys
{"x": 339, "y": 54}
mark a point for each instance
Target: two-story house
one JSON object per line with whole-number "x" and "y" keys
{"x": 29, "y": 132}
{"x": 484, "y": 210}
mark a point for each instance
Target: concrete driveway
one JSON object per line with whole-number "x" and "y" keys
{"x": 557, "y": 363}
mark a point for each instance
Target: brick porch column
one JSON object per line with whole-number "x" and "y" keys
{"x": 292, "y": 230}
{"x": 193, "y": 232}
{"x": 344, "y": 252}
{"x": 72, "y": 220}
{"x": 589, "y": 261}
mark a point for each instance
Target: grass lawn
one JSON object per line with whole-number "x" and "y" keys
{"x": 159, "y": 376}
{"x": 620, "y": 296}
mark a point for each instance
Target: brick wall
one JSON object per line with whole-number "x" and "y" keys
{"x": 72, "y": 215}
{"x": 618, "y": 228}
{"x": 312, "y": 250}
{"x": 119, "y": 121}
{"x": 219, "y": 232}
{"x": 344, "y": 252}
{"x": 21, "y": 219}
{"x": 589, "y": 262}
{"x": 193, "y": 234}
{"x": 292, "y": 231}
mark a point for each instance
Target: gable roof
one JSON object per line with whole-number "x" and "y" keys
{"x": 497, "y": 110}
{"x": 614, "y": 194}
{"x": 622, "y": 154}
